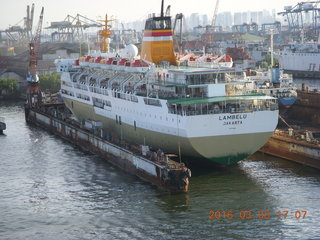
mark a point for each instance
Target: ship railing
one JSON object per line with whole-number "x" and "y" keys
{"x": 205, "y": 111}
{"x": 125, "y": 81}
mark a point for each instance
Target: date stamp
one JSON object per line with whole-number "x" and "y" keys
{"x": 263, "y": 215}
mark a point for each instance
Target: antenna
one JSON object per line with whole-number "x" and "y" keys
{"x": 162, "y": 8}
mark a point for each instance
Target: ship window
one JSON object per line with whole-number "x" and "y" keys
{"x": 135, "y": 126}
{"x": 116, "y": 118}
{"x": 119, "y": 120}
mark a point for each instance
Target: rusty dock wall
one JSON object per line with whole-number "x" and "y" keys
{"x": 170, "y": 175}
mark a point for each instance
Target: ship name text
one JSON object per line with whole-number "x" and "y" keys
{"x": 235, "y": 119}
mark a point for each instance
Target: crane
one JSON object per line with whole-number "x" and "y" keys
{"x": 105, "y": 33}
{"x": 33, "y": 90}
{"x": 208, "y": 36}
{"x": 214, "y": 18}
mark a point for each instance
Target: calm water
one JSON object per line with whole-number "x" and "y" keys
{"x": 52, "y": 190}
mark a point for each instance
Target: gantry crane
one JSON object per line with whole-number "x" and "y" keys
{"x": 105, "y": 34}
{"x": 34, "y": 96}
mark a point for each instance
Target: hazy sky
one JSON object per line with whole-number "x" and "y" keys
{"x": 12, "y": 11}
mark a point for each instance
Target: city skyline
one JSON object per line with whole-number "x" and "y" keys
{"x": 14, "y": 11}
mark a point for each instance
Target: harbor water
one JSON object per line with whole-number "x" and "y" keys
{"x": 53, "y": 190}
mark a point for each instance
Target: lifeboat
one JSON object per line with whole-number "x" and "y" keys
{"x": 122, "y": 64}
{"x": 84, "y": 61}
{"x": 107, "y": 64}
{"x": 138, "y": 65}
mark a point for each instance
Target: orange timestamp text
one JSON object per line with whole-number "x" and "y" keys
{"x": 245, "y": 214}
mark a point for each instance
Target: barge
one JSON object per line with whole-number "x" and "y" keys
{"x": 154, "y": 167}
{"x": 301, "y": 146}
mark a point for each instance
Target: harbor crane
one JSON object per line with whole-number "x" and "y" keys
{"x": 214, "y": 18}
{"x": 34, "y": 96}
{"x": 210, "y": 29}
{"x": 304, "y": 16}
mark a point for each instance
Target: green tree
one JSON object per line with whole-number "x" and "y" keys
{"x": 267, "y": 58}
{"x": 50, "y": 82}
{"x": 9, "y": 87}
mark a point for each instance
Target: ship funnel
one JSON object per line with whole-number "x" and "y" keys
{"x": 157, "y": 44}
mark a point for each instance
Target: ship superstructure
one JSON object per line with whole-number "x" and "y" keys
{"x": 207, "y": 114}
{"x": 302, "y": 60}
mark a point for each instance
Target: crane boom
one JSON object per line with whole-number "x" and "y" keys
{"x": 34, "y": 95}
{"x": 34, "y": 47}
{"x": 213, "y": 23}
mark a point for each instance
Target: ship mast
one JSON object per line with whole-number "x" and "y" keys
{"x": 105, "y": 34}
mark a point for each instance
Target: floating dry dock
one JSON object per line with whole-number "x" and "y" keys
{"x": 302, "y": 146}
{"x": 154, "y": 168}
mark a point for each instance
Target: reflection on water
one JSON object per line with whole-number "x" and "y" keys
{"x": 52, "y": 190}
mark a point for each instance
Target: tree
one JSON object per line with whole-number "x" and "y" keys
{"x": 9, "y": 87}
{"x": 50, "y": 82}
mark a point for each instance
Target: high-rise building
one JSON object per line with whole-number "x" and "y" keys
{"x": 237, "y": 18}
{"x": 224, "y": 19}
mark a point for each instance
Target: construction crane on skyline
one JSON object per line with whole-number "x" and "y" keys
{"x": 214, "y": 18}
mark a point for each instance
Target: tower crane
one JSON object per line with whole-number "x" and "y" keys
{"x": 33, "y": 89}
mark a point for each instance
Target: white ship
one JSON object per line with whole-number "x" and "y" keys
{"x": 204, "y": 114}
{"x": 302, "y": 60}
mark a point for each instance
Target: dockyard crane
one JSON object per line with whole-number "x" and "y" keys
{"x": 214, "y": 18}
{"x": 208, "y": 36}
{"x": 33, "y": 91}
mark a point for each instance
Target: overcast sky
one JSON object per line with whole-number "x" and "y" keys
{"x": 12, "y": 11}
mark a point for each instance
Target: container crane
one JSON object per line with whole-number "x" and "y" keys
{"x": 34, "y": 96}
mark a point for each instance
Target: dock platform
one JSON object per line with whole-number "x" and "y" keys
{"x": 160, "y": 171}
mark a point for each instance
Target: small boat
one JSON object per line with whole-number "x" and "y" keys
{"x": 2, "y": 125}
{"x": 276, "y": 84}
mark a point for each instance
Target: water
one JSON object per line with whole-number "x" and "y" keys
{"x": 52, "y": 190}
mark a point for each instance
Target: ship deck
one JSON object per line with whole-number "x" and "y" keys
{"x": 191, "y": 101}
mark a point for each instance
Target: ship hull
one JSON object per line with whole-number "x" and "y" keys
{"x": 220, "y": 149}
{"x": 300, "y": 65}
{"x": 286, "y": 102}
